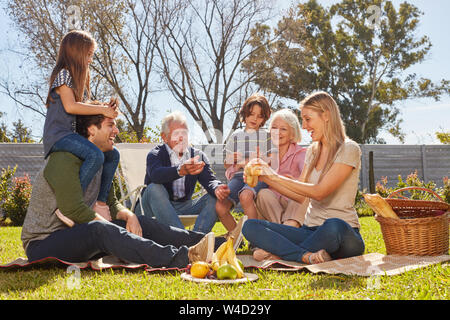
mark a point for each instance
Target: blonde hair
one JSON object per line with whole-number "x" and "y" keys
{"x": 291, "y": 119}
{"x": 334, "y": 132}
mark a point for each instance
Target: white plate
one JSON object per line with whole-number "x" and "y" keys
{"x": 247, "y": 278}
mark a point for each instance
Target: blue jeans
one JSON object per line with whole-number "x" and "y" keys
{"x": 156, "y": 203}
{"x": 93, "y": 158}
{"x": 336, "y": 236}
{"x": 237, "y": 185}
{"x": 159, "y": 246}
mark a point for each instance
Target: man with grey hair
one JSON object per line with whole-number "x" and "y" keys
{"x": 173, "y": 169}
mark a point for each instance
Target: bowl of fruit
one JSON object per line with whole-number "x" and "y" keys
{"x": 224, "y": 268}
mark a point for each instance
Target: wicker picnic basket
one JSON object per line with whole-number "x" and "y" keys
{"x": 422, "y": 228}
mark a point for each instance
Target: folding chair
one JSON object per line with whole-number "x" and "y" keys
{"x": 133, "y": 160}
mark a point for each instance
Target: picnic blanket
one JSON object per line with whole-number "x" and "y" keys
{"x": 372, "y": 264}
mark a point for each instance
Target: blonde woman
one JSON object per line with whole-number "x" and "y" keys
{"x": 329, "y": 180}
{"x": 271, "y": 205}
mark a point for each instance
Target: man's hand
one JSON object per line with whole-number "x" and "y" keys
{"x": 192, "y": 167}
{"x": 222, "y": 192}
{"x": 133, "y": 224}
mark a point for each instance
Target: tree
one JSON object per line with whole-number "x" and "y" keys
{"x": 444, "y": 137}
{"x": 21, "y": 133}
{"x": 128, "y": 135}
{"x": 123, "y": 62}
{"x": 202, "y": 47}
{"x": 3, "y": 131}
{"x": 361, "y": 60}
{"x": 198, "y": 44}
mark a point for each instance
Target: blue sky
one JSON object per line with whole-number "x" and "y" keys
{"x": 421, "y": 117}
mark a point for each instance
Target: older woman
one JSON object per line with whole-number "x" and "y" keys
{"x": 330, "y": 181}
{"x": 271, "y": 205}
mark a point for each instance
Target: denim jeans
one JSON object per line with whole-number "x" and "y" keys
{"x": 336, "y": 236}
{"x": 237, "y": 185}
{"x": 93, "y": 159}
{"x": 159, "y": 246}
{"x": 156, "y": 203}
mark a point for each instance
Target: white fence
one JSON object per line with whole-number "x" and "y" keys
{"x": 432, "y": 162}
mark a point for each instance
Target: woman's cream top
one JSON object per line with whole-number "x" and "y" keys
{"x": 338, "y": 204}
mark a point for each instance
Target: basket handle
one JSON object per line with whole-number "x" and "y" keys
{"x": 414, "y": 188}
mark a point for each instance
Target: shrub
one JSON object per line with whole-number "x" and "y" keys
{"x": 15, "y": 196}
{"x": 6, "y": 183}
{"x": 444, "y": 192}
{"x": 128, "y": 135}
{"x": 381, "y": 188}
{"x": 361, "y": 207}
{"x": 444, "y": 137}
{"x": 412, "y": 180}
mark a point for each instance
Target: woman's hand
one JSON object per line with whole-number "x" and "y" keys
{"x": 113, "y": 103}
{"x": 266, "y": 169}
{"x": 255, "y": 169}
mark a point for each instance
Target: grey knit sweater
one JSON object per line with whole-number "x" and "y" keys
{"x": 40, "y": 220}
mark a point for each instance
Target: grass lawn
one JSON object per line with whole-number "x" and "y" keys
{"x": 425, "y": 283}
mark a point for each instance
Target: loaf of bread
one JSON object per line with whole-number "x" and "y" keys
{"x": 251, "y": 174}
{"x": 380, "y": 206}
